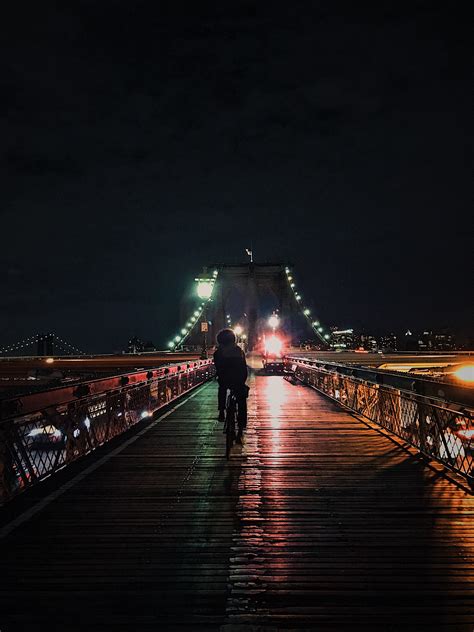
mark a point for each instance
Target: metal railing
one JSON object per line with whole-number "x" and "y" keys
{"x": 44, "y": 432}
{"x": 438, "y": 429}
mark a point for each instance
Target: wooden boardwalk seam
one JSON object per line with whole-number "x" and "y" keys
{"x": 318, "y": 523}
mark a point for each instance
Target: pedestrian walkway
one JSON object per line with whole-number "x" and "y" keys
{"x": 319, "y": 522}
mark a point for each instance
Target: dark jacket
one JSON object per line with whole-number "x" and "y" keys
{"x": 230, "y": 365}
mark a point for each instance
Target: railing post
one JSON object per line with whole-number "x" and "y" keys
{"x": 3, "y": 466}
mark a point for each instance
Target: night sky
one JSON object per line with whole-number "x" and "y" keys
{"x": 142, "y": 140}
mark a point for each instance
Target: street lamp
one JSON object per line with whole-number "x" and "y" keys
{"x": 204, "y": 288}
{"x": 273, "y": 321}
{"x": 204, "y": 291}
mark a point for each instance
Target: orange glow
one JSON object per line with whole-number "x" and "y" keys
{"x": 49, "y": 360}
{"x": 273, "y": 346}
{"x": 465, "y": 373}
{"x": 276, "y": 395}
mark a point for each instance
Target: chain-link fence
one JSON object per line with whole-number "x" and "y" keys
{"x": 34, "y": 446}
{"x": 440, "y": 430}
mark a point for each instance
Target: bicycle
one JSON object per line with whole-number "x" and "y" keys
{"x": 232, "y": 429}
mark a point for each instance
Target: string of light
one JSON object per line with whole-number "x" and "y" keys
{"x": 187, "y": 329}
{"x": 315, "y": 325}
{"x": 33, "y": 340}
{"x": 27, "y": 342}
{"x": 68, "y": 345}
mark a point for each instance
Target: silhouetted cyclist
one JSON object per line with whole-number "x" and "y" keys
{"x": 231, "y": 373}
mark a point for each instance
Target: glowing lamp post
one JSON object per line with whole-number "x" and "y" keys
{"x": 204, "y": 288}
{"x": 204, "y": 291}
{"x": 273, "y": 321}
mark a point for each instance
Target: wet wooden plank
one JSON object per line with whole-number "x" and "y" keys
{"x": 318, "y": 522}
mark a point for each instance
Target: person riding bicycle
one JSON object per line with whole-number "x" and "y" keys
{"x": 231, "y": 369}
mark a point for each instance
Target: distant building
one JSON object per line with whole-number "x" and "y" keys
{"x": 410, "y": 341}
{"x": 388, "y": 342}
{"x": 436, "y": 341}
{"x": 136, "y": 345}
{"x": 369, "y": 342}
{"x": 342, "y": 338}
{"x": 428, "y": 340}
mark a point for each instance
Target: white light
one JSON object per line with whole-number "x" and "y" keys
{"x": 320, "y": 329}
{"x": 287, "y": 270}
{"x": 238, "y": 330}
{"x": 316, "y": 323}
{"x": 87, "y": 423}
{"x": 465, "y": 373}
{"x": 298, "y": 297}
{"x": 273, "y": 346}
{"x": 326, "y": 336}
{"x": 197, "y": 312}
{"x": 171, "y": 344}
{"x": 307, "y": 312}
{"x": 204, "y": 288}
{"x": 273, "y": 321}
{"x": 184, "y": 332}
{"x": 177, "y": 338}
{"x": 145, "y": 414}
{"x": 292, "y": 285}
{"x": 193, "y": 318}
{"x": 290, "y": 278}
{"x": 215, "y": 273}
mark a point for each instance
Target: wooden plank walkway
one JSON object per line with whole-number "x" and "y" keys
{"x": 318, "y": 523}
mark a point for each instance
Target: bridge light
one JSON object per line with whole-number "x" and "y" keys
{"x": 215, "y": 273}
{"x": 204, "y": 288}
{"x": 290, "y": 278}
{"x": 320, "y": 329}
{"x": 238, "y": 330}
{"x": 307, "y": 312}
{"x": 193, "y": 318}
{"x": 298, "y": 297}
{"x": 273, "y": 321}
{"x": 273, "y": 346}
{"x": 171, "y": 344}
{"x": 292, "y": 285}
{"x": 177, "y": 338}
{"x": 316, "y": 323}
{"x": 244, "y": 337}
{"x": 184, "y": 332}
{"x": 465, "y": 373}
{"x": 197, "y": 312}
{"x": 326, "y": 336}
